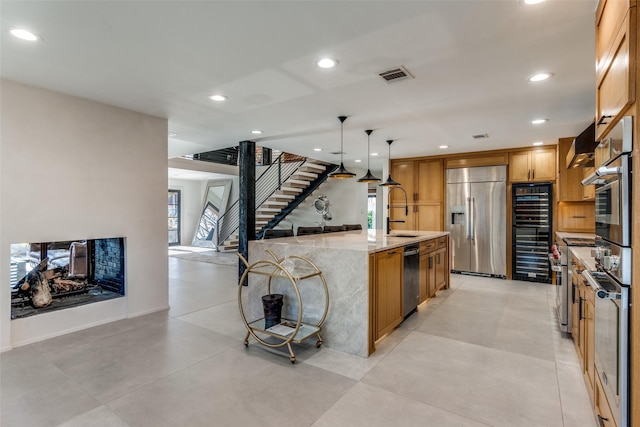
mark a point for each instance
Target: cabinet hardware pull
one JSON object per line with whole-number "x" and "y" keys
{"x": 580, "y": 316}
{"x": 579, "y": 216}
{"x": 430, "y": 262}
{"x": 533, "y": 174}
{"x": 529, "y": 175}
{"x": 603, "y": 120}
{"x": 573, "y": 293}
{"x": 601, "y": 420}
{"x": 393, "y": 253}
{"x": 438, "y": 258}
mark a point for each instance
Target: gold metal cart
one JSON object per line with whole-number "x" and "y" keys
{"x": 292, "y": 269}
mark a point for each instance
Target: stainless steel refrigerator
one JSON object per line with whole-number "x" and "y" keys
{"x": 476, "y": 219}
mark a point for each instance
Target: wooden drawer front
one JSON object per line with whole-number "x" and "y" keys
{"x": 616, "y": 85}
{"x": 603, "y": 411}
{"x": 428, "y": 246}
{"x": 610, "y": 16}
{"x": 442, "y": 242}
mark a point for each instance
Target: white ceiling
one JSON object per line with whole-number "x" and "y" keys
{"x": 470, "y": 60}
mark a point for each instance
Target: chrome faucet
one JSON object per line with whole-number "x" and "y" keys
{"x": 406, "y": 207}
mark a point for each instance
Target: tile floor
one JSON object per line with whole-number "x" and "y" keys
{"x": 484, "y": 353}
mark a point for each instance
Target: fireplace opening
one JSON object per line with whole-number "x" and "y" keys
{"x": 49, "y": 276}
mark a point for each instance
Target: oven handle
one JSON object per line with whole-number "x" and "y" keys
{"x": 599, "y": 290}
{"x": 601, "y": 171}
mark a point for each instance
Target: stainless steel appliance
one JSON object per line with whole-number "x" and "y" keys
{"x": 411, "y": 279}
{"x": 532, "y": 226}
{"x": 476, "y": 219}
{"x": 564, "y": 293}
{"x": 611, "y": 284}
{"x": 613, "y": 184}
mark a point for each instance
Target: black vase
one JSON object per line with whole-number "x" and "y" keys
{"x": 272, "y": 305}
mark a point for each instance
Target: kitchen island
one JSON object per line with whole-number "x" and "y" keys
{"x": 364, "y": 274}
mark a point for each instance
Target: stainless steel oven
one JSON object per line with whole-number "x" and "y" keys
{"x": 612, "y": 177}
{"x": 612, "y": 287}
{"x": 612, "y": 203}
{"x": 612, "y": 341}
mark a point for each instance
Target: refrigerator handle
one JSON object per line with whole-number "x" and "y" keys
{"x": 472, "y": 234}
{"x": 468, "y": 222}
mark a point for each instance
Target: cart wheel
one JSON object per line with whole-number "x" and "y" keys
{"x": 246, "y": 345}
{"x": 293, "y": 360}
{"x": 318, "y": 344}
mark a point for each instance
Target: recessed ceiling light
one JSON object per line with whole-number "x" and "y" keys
{"x": 256, "y": 132}
{"x": 374, "y": 154}
{"x": 172, "y": 134}
{"x": 538, "y": 143}
{"x": 326, "y": 63}
{"x": 533, "y": 1}
{"x": 218, "y": 98}
{"x": 23, "y": 34}
{"x": 539, "y": 121}
{"x": 317, "y": 149}
{"x": 444, "y": 146}
{"x": 539, "y": 77}
{"x": 358, "y": 161}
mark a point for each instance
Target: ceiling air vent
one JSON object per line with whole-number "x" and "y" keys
{"x": 395, "y": 74}
{"x": 480, "y": 136}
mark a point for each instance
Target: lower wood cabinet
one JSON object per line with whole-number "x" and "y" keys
{"x": 388, "y": 291}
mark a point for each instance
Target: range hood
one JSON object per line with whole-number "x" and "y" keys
{"x": 580, "y": 154}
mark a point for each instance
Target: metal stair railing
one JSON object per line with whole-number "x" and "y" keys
{"x": 267, "y": 184}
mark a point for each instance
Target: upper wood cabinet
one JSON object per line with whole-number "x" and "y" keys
{"x": 421, "y": 179}
{"x": 588, "y": 191}
{"x": 532, "y": 165}
{"x": 615, "y": 61}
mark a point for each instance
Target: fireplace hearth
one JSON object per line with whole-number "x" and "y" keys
{"x": 49, "y": 276}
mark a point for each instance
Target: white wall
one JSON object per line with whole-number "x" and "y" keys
{"x": 71, "y": 169}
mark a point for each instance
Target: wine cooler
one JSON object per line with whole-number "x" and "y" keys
{"x": 532, "y": 227}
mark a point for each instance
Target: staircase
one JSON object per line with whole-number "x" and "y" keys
{"x": 282, "y": 199}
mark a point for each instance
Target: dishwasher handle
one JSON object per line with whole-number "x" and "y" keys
{"x": 410, "y": 252}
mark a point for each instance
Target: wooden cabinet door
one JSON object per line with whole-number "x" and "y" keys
{"x": 575, "y": 311}
{"x": 429, "y": 217}
{"x": 581, "y": 327}
{"x": 404, "y": 173}
{"x": 429, "y": 187}
{"x": 519, "y": 166}
{"x": 589, "y": 351}
{"x": 424, "y": 277}
{"x": 543, "y": 165}
{"x": 441, "y": 265}
{"x": 588, "y": 191}
{"x": 388, "y": 303}
{"x": 397, "y": 213}
{"x": 431, "y": 276}
{"x": 615, "y": 87}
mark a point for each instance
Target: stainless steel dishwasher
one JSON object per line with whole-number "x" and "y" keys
{"x": 411, "y": 279}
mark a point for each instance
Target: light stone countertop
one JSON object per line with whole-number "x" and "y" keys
{"x": 584, "y": 254}
{"x": 369, "y": 241}
{"x": 565, "y": 235}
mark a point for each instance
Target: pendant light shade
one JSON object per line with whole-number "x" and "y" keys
{"x": 342, "y": 172}
{"x": 390, "y": 182}
{"x": 369, "y": 176}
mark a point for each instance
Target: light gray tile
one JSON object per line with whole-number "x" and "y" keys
{"x": 98, "y": 417}
{"x": 117, "y": 365}
{"x": 368, "y": 406}
{"x": 576, "y": 408}
{"x": 47, "y": 405}
{"x": 224, "y": 319}
{"x": 23, "y": 370}
{"x": 491, "y": 386}
{"x": 235, "y": 388}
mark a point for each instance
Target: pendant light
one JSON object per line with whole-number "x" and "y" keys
{"x": 368, "y": 177}
{"x": 390, "y": 182}
{"x": 341, "y": 172}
